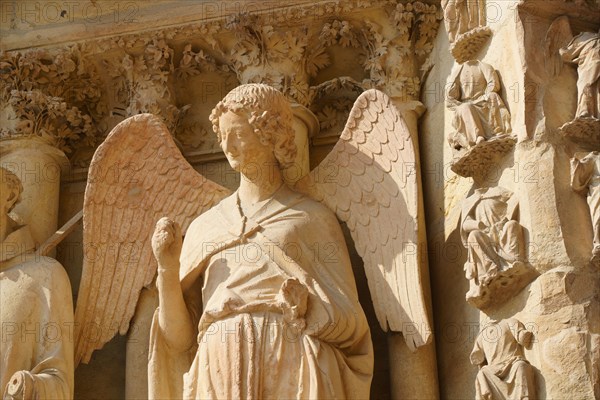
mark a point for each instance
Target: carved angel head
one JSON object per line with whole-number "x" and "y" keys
{"x": 269, "y": 114}
{"x": 11, "y": 190}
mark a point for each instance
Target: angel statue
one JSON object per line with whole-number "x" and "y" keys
{"x": 36, "y": 310}
{"x": 258, "y": 300}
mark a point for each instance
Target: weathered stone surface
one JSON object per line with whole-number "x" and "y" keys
{"x": 583, "y": 131}
{"x": 503, "y": 286}
{"x": 468, "y": 44}
{"x": 469, "y": 162}
{"x": 72, "y": 72}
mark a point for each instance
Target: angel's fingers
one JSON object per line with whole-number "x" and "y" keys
{"x": 177, "y": 229}
{"x": 163, "y": 223}
{"x": 164, "y": 227}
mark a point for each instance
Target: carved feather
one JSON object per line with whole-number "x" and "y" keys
{"x": 375, "y": 192}
{"x": 136, "y": 177}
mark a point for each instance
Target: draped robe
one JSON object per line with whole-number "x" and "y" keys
{"x": 584, "y": 50}
{"x": 36, "y": 315}
{"x": 585, "y": 179}
{"x": 501, "y": 240}
{"x": 478, "y": 108}
{"x": 280, "y": 313}
{"x": 504, "y": 372}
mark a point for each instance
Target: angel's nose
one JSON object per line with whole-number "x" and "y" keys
{"x": 228, "y": 144}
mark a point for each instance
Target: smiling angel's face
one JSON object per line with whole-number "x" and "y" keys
{"x": 242, "y": 146}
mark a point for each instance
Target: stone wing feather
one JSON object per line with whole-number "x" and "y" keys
{"x": 137, "y": 176}
{"x": 369, "y": 180}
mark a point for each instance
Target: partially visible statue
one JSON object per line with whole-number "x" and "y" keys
{"x": 584, "y": 129}
{"x": 504, "y": 373}
{"x": 460, "y": 16}
{"x": 36, "y": 312}
{"x": 584, "y": 50}
{"x": 259, "y": 299}
{"x": 585, "y": 180}
{"x": 479, "y": 112}
{"x": 465, "y": 22}
{"x": 493, "y": 237}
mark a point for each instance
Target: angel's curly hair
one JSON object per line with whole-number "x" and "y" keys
{"x": 269, "y": 114}
{"x": 14, "y": 184}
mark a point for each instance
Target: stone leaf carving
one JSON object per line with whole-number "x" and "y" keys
{"x": 143, "y": 83}
{"x": 395, "y": 61}
{"x": 367, "y": 181}
{"x": 136, "y": 176}
{"x": 584, "y": 50}
{"x": 36, "y": 313}
{"x": 504, "y": 372}
{"x": 192, "y": 63}
{"x": 465, "y": 23}
{"x": 284, "y": 59}
{"x": 496, "y": 266}
{"x": 585, "y": 180}
{"x": 52, "y": 95}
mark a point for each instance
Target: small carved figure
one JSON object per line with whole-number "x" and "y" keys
{"x": 466, "y": 26}
{"x": 504, "y": 373}
{"x": 479, "y": 112}
{"x": 585, "y": 180}
{"x": 584, "y": 50}
{"x": 492, "y": 236}
{"x": 36, "y": 311}
{"x": 461, "y": 16}
{"x": 247, "y": 309}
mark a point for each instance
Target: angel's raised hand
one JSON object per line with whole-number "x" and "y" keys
{"x": 166, "y": 244}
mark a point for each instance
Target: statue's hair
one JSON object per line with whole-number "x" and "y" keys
{"x": 269, "y": 114}
{"x": 13, "y": 182}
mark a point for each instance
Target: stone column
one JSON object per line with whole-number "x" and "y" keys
{"x": 39, "y": 166}
{"x": 414, "y": 374}
{"x": 306, "y": 125}
{"x": 136, "y": 371}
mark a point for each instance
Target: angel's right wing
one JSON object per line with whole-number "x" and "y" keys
{"x": 137, "y": 176}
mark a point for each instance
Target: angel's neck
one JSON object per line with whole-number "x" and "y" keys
{"x": 254, "y": 189}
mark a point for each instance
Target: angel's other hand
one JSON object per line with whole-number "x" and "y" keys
{"x": 166, "y": 243}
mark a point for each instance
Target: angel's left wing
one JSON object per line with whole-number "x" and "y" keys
{"x": 370, "y": 181}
